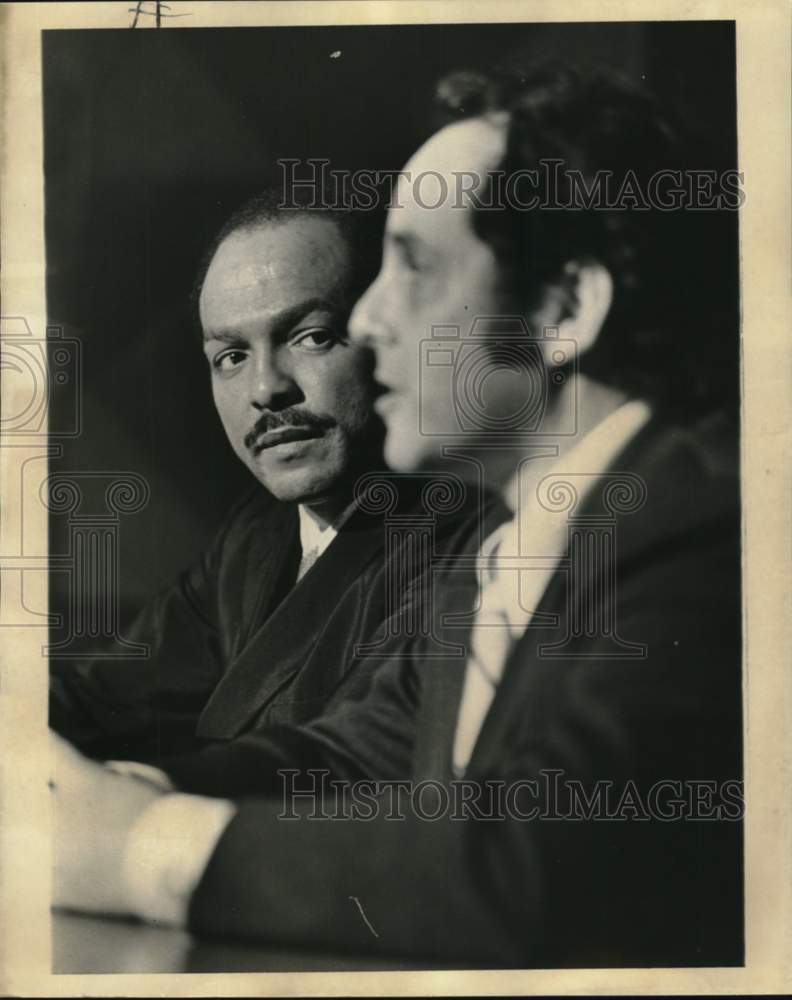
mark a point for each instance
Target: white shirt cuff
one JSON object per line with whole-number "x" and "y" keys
{"x": 167, "y": 851}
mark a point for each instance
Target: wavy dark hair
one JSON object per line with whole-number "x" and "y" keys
{"x": 672, "y": 331}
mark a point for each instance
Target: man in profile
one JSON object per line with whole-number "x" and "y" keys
{"x": 266, "y": 626}
{"x": 587, "y": 655}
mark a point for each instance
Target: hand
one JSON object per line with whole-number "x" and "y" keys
{"x": 93, "y": 812}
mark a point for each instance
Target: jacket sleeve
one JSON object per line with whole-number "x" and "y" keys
{"x": 138, "y": 709}
{"x": 370, "y": 736}
{"x": 545, "y": 890}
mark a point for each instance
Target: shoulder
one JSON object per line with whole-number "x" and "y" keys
{"x": 686, "y": 480}
{"x": 706, "y": 452}
{"x": 441, "y": 502}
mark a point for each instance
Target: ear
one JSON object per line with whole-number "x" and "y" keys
{"x": 577, "y": 306}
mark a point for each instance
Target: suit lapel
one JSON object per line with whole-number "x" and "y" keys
{"x": 442, "y": 681}
{"x": 271, "y": 564}
{"x": 510, "y": 706}
{"x": 282, "y": 644}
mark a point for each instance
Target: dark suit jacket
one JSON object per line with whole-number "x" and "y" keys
{"x": 528, "y": 893}
{"x": 236, "y": 644}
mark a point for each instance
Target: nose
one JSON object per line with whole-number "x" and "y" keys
{"x": 271, "y": 385}
{"x": 367, "y": 324}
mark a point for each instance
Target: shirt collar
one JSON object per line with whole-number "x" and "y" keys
{"x": 315, "y": 537}
{"x": 592, "y": 454}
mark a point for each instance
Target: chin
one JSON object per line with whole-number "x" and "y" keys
{"x": 301, "y": 485}
{"x": 404, "y": 452}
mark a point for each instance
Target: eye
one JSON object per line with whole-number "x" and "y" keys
{"x": 227, "y": 361}
{"x": 316, "y": 340}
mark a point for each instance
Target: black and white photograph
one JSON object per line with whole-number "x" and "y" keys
{"x": 386, "y": 432}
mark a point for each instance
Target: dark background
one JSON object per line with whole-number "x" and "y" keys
{"x": 153, "y": 137}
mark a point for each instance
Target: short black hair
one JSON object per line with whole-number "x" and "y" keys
{"x": 665, "y": 337}
{"x": 362, "y": 232}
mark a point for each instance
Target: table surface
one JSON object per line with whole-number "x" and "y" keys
{"x": 86, "y": 944}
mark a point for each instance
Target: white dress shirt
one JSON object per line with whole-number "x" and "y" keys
{"x": 519, "y": 559}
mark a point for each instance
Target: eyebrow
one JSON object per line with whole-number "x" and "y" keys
{"x": 283, "y": 320}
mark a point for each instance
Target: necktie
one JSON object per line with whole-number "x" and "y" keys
{"x": 518, "y": 561}
{"x": 307, "y": 560}
{"x": 489, "y": 648}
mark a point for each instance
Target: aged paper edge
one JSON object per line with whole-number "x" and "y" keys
{"x": 763, "y": 53}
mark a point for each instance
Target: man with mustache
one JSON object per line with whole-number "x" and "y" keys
{"x": 267, "y": 626}
{"x": 590, "y": 656}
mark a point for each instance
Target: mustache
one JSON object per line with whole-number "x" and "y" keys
{"x": 291, "y": 417}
